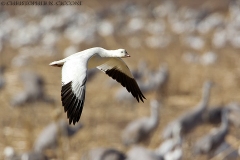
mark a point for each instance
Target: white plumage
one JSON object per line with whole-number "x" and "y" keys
{"x": 74, "y": 76}
{"x": 141, "y": 153}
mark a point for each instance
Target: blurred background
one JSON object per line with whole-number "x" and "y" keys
{"x": 175, "y": 46}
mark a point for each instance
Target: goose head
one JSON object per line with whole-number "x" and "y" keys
{"x": 122, "y": 53}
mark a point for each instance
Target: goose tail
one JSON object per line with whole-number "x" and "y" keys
{"x": 58, "y": 63}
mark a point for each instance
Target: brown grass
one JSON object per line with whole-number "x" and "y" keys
{"x": 103, "y": 117}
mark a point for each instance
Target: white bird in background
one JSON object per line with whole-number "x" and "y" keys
{"x": 10, "y": 154}
{"x": 74, "y": 76}
{"x": 141, "y": 153}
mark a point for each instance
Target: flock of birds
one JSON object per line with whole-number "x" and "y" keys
{"x": 139, "y": 131}
{"x": 162, "y": 24}
{"x": 155, "y": 26}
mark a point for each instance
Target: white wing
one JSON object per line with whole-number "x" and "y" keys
{"x": 73, "y": 88}
{"x": 118, "y": 70}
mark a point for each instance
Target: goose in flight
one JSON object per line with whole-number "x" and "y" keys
{"x": 74, "y": 76}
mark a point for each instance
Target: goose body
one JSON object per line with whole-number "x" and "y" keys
{"x": 74, "y": 76}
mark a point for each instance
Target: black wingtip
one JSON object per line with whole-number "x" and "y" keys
{"x": 142, "y": 98}
{"x": 72, "y": 105}
{"x": 71, "y": 121}
{"x": 128, "y": 82}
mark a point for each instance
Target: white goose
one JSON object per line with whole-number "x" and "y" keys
{"x": 74, "y": 76}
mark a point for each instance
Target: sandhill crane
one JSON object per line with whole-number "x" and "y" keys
{"x": 213, "y": 115}
{"x": 157, "y": 80}
{"x": 33, "y": 156}
{"x": 226, "y": 152}
{"x": 2, "y": 79}
{"x": 141, "y": 153}
{"x": 48, "y": 138}
{"x": 188, "y": 121}
{"x": 141, "y": 70}
{"x": 210, "y": 142}
{"x": 233, "y": 115}
{"x": 160, "y": 79}
{"x": 104, "y": 154}
{"x": 33, "y": 89}
{"x": 140, "y": 129}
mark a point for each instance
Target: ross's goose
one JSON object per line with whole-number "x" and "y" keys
{"x": 74, "y": 76}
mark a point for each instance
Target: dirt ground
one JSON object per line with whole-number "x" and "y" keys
{"x": 103, "y": 117}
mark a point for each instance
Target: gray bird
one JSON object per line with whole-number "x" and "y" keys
{"x": 157, "y": 80}
{"x": 2, "y": 79}
{"x": 33, "y": 89}
{"x": 33, "y": 156}
{"x": 160, "y": 79}
{"x": 140, "y": 129}
{"x": 48, "y": 138}
{"x": 233, "y": 115}
{"x": 141, "y": 70}
{"x": 213, "y": 114}
{"x": 189, "y": 120}
{"x": 141, "y": 153}
{"x": 104, "y": 154}
{"x": 210, "y": 142}
{"x": 226, "y": 152}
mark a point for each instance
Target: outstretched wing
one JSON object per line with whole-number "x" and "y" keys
{"x": 118, "y": 70}
{"x": 73, "y": 89}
